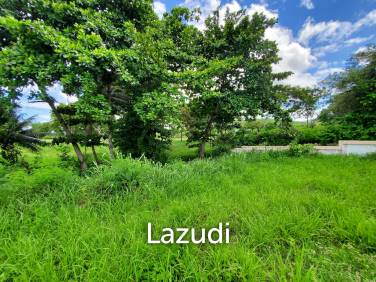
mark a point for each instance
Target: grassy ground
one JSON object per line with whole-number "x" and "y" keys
{"x": 180, "y": 150}
{"x": 298, "y": 219}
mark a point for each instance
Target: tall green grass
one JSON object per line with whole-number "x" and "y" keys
{"x": 291, "y": 219}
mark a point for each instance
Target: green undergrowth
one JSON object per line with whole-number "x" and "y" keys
{"x": 302, "y": 218}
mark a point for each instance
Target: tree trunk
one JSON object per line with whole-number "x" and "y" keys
{"x": 201, "y": 152}
{"x": 90, "y": 131}
{"x": 110, "y": 125}
{"x": 111, "y": 144}
{"x": 95, "y": 154}
{"x": 80, "y": 156}
{"x": 67, "y": 130}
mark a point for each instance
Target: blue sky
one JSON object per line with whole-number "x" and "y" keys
{"x": 315, "y": 37}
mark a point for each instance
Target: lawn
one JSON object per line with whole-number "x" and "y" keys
{"x": 303, "y": 218}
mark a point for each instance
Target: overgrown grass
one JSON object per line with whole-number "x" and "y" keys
{"x": 301, "y": 219}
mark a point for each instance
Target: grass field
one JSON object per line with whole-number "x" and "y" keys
{"x": 297, "y": 219}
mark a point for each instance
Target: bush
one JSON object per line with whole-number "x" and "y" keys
{"x": 267, "y": 134}
{"x": 310, "y": 135}
{"x": 297, "y": 150}
{"x": 347, "y": 130}
{"x": 256, "y": 133}
{"x": 66, "y": 160}
{"x": 224, "y": 143}
{"x": 277, "y": 136}
{"x": 138, "y": 138}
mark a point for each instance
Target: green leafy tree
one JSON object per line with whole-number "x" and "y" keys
{"x": 231, "y": 77}
{"x": 303, "y": 101}
{"x": 149, "y": 109}
{"x": 86, "y": 118}
{"x": 352, "y": 111}
{"x": 87, "y": 46}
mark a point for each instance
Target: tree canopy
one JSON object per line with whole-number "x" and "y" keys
{"x": 231, "y": 75}
{"x": 137, "y": 77}
{"x": 352, "y": 110}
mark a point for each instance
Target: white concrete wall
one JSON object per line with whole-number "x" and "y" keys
{"x": 358, "y": 147}
{"x": 346, "y": 147}
{"x": 328, "y": 151}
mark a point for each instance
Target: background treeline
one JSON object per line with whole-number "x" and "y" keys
{"x": 139, "y": 80}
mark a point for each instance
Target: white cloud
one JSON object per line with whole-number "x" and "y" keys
{"x": 35, "y": 106}
{"x": 42, "y": 118}
{"x": 323, "y": 50}
{"x": 294, "y": 56}
{"x": 324, "y": 31}
{"x": 334, "y": 47}
{"x": 231, "y": 7}
{"x": 368, "y": 20}
{"x": 208, "y": 6}
{"x": 322, "y": 74}
{"x": 42, "y": 108}
{"x": 312, "y": 79}
{"x": 258, "y": 8}
{"x": 307, "y": 4}
{"x": 358, "y": 40}
{"x": 159, "y": 8}
{"x": 304, "y": 79}
{"x": 361, "y": 49}
{"x": 333, "y": 30}
{"x": 67, "y": 99}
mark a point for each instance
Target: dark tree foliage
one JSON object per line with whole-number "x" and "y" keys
{"x": 352, "y": 112}
{"x": 14, "y": 131}
{"x": 137, "y": 137}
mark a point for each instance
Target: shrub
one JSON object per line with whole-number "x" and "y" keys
{"x": 343, "y": 130}
{"x": 66, "y": 160}
{"x": 256, "y": 133}
{"x": 310, "y": 135}
{"x": 277, "y": 136}
{"x": 138, "y": 138}
{"x": 224, "y": 143}
{"x": 268, "y": 134}
{"x": 297, "y": 150}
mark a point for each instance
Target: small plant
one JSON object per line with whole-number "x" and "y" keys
{"x": 297, "y": 150}
{"x": 66, "y": 160}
